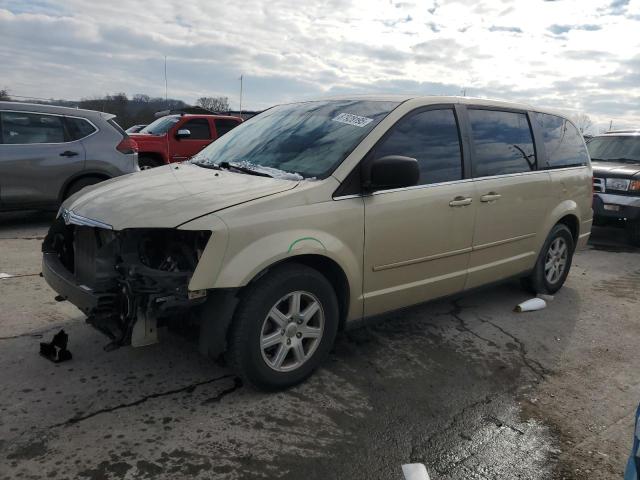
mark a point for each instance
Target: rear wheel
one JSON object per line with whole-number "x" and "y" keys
{"x": 284, "y": 327}
{"x": 79, "y": 184}
{"x": 145, "y": 162}
{"x": 554, "y": 261}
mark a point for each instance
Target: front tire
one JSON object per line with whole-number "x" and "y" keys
{"x": 284, "y": 327}
{"x": 554, "y": 261}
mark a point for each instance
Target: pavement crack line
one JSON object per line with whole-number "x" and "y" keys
{"x": 39, "y": 334}
{"x": 533, "y": 365}
{"x": 455, "y": 313}
{"x": 23, "y": 238}
{"x": 237, "y": 383}
{"x": 454, "y": 420}
{"x": 189, "y": 388}
{"x": 9, "y": 276}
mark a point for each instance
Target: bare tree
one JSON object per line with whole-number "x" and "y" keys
{"x": 215, "y": 104}
{"x": 583, "y": 122}
{"x": 4, "y": 94}
{"x": 141, "y": 98}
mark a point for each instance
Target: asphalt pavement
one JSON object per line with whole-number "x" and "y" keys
{"x": 467, "y": 386}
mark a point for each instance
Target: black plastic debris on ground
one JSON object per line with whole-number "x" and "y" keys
{"x": 56, "y": 350}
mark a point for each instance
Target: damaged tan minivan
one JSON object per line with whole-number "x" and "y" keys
{"x": 312, "y": 215}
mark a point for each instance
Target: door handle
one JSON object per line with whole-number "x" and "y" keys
{"x": 68, "y": 153}
{"x": 490, "y": 197}
{"x": 460, "y": 201}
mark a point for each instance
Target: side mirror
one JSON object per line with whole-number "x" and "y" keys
{"x": 393, "y": 171}
{"x": 183, "y": 133}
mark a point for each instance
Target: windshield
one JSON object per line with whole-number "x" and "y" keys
{"x": 309, "y": 139}
{"x": 161, "y": 125}
{"x": 615, "y": 148}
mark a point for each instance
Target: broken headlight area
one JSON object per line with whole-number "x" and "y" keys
{"x": 137, "y": 278}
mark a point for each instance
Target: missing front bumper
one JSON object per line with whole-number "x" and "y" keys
{"x": 127, "y": 283}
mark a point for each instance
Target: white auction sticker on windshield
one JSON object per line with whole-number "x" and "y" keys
{"x": 351, "y": 119}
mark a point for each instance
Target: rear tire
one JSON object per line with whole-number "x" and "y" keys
{"x": 284, "y": 327}
{"x": 554, "y": 261}
{"x": 145, "y": 162}
{"x": 633, "y": 228}
{"x": 79, "y": 184}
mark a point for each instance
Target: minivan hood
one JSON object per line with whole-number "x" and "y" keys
{"x": 615, "y": 169}
{"x": 169, "y": 196}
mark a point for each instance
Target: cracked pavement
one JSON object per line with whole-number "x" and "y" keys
{"x": 465, "y": 386}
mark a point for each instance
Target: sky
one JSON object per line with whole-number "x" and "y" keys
{"x": 575, "y": 56}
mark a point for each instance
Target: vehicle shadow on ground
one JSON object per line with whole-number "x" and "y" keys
{"x": 435, "y": 384}
{"x": 611, "y": 239}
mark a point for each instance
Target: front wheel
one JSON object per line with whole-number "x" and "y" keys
{"x": 554, "y": 261}
{"x": 284, "y": 327}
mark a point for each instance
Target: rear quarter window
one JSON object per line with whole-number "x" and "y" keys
{"x": 79, "y": 128}
{"x": 502, "y": 142}
{"x": 562, "y": 141}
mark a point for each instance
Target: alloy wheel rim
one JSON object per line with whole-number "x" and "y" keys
{"x": 555, "y": 261}
{"x": 292, "y": 331}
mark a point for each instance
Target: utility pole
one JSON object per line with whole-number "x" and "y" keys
{"x": 610, "y": 125}
{"x": 240, "y": 95}
{"x": 166, "y": 97}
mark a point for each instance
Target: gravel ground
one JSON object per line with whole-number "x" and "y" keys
{"x": 467, "y": 387}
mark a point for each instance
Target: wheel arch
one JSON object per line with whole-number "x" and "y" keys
{"x": 566, "y": 213}
{"x": 79, "y": 176}
{"x": 573, "y": 224}
{"x": 328, "y": 267}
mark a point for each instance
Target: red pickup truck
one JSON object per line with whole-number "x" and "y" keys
{"x": 175, "y": 138}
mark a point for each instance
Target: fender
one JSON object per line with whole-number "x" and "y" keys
{"x": 220, "y": 268}
{"x": 564, "y": 208}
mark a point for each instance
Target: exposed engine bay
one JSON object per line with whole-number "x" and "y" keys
{"x": 128, "y": 280}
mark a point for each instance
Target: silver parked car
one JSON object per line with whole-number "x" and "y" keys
{"x": 48, "y": 153}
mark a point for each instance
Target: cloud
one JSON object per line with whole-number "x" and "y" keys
{"x": 560, "y": 29}
{"x": 495, "y": 28}
{"x": 572, "y": 54}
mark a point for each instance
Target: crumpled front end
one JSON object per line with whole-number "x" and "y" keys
{"x": 124, "y": 281}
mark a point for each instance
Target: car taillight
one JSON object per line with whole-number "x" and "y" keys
{"x": 127, "y": 145}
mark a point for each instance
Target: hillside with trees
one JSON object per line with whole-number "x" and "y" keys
{"x": 139, "y": 109}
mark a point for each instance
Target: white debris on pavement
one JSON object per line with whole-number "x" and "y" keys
{"x": 531, "y": 305}
{"x": 5, "y": 275}
{"x": 415, "y": 471}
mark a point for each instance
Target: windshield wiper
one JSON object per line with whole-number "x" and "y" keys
{"x": 240, "y": 168}
{"x": 211, "y": 166}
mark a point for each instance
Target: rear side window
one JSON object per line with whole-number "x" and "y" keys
{"x": 29, "y": 128}
{"x": 199, "y": 128}
{"x": 562, "y": 141}
{"x": 502, "y": 142}
{"x": 431, "y": 137}
{"x": 115, "y": 125}
{"x": 79, "y": 128}
{"x": 224, "y": 125}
